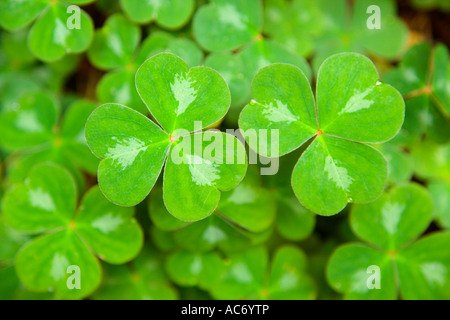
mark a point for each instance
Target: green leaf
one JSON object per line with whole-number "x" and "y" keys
{"x": 190, "y": 269}
{"x": 43, "y": 263}
{"x": 50, "y": 38}
{"x": 288, "y": 280}
{"x": 129, "y": 144}
{"x": 223, "y": 25}
{"x": 177, "y": 95}
{"x": 287, "y": 107}
{"x": 400, "y": 164}
{"x": 194, "y": 176}
{"x": 352, "y": 107}
{"x": 16, "y": 14}
{"x": 10, "y": 242}
{"x": 29, "y": 124}
{"x": 333, "y": 172}
{"x": 169, "y": 14}
{"x": 114, "y": 44}
{"x": 45, "y": 201}
{"x": 159, "y": 215}
{"x": 108, "y": 230}
{"x": 349, "y": 272}
{"x": 395, "y": 219}
{"x": 431, "y": 160}
{"x": 440, "y": 191}
{"x": 424, "y": 268}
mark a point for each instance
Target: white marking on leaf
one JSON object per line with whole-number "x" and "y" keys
{"x": 213, "y": 234}
{"x": 115, "y": 44}
{"x": 357, "y": 102}
{"x": 123, "y": 94}
{"x": 241, "y": 273}
{"x": 183, "y": 92}
{"x": 107, "y": 223}
{"x": 243, "y": 194}
{"x": 126, "y": 151}
{"x": 338, "y": 175}
{"x": 279, "y": 112}
{"x": 229, "y": 15}
{"x": 41, "y": 199}
{"x": 358, "y": 282}
{"x": 391, "y": 215}
{"x": 28, "y": 121}
{"x": 197, "y": 265}
{"x": 434, "y": 273}
{"x": 288, "y": 281}
{"x": 410, "y": 75}
{"x": 203, "y": 171}
{"x": 59, "y": 266}
{"x": 60, "y": 32}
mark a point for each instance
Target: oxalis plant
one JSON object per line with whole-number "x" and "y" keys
{"x": 134, "y": 149}
{"x": 351, "y": 109}
{"x": 68, "y": 235}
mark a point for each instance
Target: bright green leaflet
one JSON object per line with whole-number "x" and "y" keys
{"x": 353, "y": 108}
{"x": 400, "y": 216}
{"x": 116, "y": 48}
{"x": 249, "y": 276}
{"x": 195, "y": 269}
{"x": 141, "y": 279}
{"x": 177, "y": 96}
{"x": 351, "y": 34}
{"x": 223, "y": 25}
{"x": 169, "y": 14}
{"x": 294, "y": 24}
{"x": 32, "y": 128}
{"x": 134, "y": 149}
{"x": 10, "y": 242}
{"x": 392, "y": 223}
{"x": 400, "y": 163}
{"x": 54, "y": 34}
{"x": 423, "y": 77}
{"x": 46, "y": 203}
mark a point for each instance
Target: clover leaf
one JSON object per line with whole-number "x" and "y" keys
{"x": 134, "y": 149}
{"x": 353, "y": 108}
{"x": 249, "y": 276}
{"x": 46, "y": 203}
{"x": 440, "y": 191}
{"x": 51, "y": 37}
{"x": 141, "y": 279}
{"x": 343, "y": 33}
{"x": 391, "y": 225}
{"x": 116, "y": 49}
{"x": 33, "y": 129}
{"x": 169, "y": 14}
{"x": 223, "y": 25}
{"x": 423, "y": 77}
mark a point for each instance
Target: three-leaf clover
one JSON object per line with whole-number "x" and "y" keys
{"x": 33, "y": 129}
{"x": 59, "y": 28}
{"x": 46, "y": 204}
{"x": 134, "y": 149}
{"x": 423, "y": 77}
{"x": 353, "y": 108}
{"x": 393, "y": 261}
{"x": 169, "y": 14}
{"x": 223, "y": 25}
